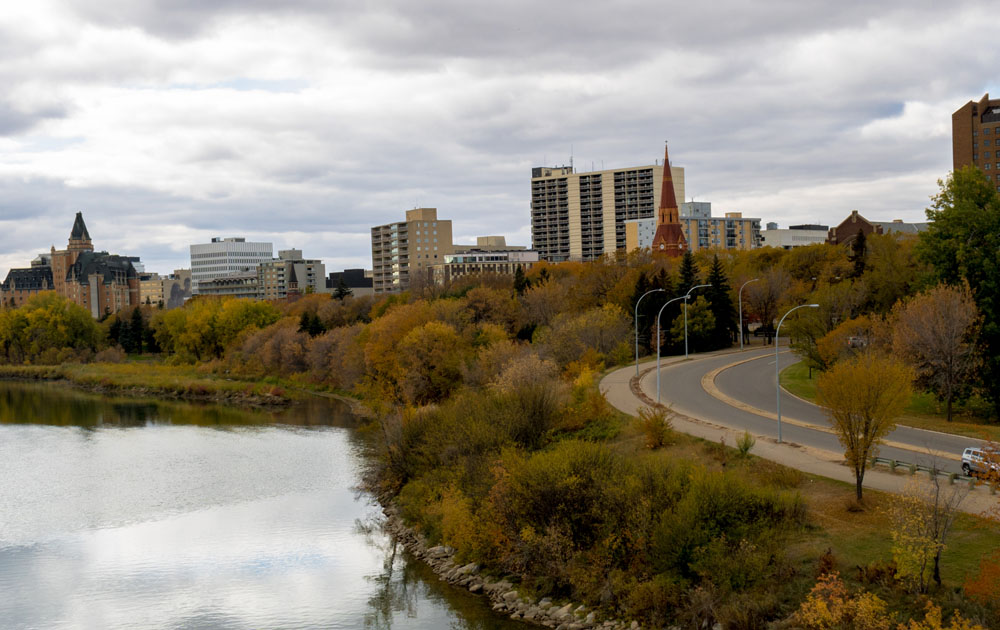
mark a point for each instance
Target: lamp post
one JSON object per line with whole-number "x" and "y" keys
{"x": 741, "y": 310}
{"x": 683, "y": 297}
{"x": 686, "y": 296}
{"x": 777, "y": 382}
{"x": 637, "y": 328}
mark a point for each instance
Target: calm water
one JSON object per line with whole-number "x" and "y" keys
{"x": 126, "y": 514}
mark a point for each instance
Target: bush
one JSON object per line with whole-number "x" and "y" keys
{"x": 656, "y": 426}
{"x": 114, "y": 354}
{"x": 745, "y": 443}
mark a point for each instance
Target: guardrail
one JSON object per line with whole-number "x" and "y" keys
{"x": 895, "y": 464}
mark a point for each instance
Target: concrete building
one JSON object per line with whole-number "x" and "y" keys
{"x": 794, "y": 235}
{"x": 701, "y": 229}
{"x": 290, "y": 274}
{"x": 176, "y": 288}
{"x": 150, "y": 288}
{"x": 239, "y": 284}
{"x": 224, "y": 257}
{"x": 359, "y": 281}
{"x": 581, "y": 216}
{"x": 490, "y": 255}
{"x": 975, "y": 137}
{"x": 403, "y": 251}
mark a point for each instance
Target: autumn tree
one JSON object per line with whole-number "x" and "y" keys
{"x": 935, "y": 332}
{"x": 700, "y": 325}
{"x": 44, "y": 328}
{"x": 430, "y": 360}
{"x": 764, "y": 298}
{"x": 863, "y": 396}
{"x": 961, "y": 243}
{"x": 603, "y": 330}
{"x": 859, "y": 254}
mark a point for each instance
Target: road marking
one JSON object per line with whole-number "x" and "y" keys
{"x": 708, "y": 384}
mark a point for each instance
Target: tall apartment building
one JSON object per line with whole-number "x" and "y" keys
{"x": 975, "y": 137}
{"x": 701, "y": 229}
{"x": 402, "y": 252}
{"x": 581, "y": 216}
{"x": 225, "y": 256}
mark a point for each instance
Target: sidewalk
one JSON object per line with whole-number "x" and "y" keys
{"x": 617, "y": 388}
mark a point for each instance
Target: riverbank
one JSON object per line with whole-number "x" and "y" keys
{"x": 154, "y": 380}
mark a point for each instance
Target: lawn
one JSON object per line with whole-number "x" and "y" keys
{"x": 923, "y": 412}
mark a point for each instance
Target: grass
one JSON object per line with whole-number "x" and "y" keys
{"x": 923, "y": 412}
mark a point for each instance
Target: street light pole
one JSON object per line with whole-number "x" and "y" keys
{"x": 686, "y": 316}
{"x": 637, "y": 327}
{"x": 777, "y": 382}
{"x": 741, "y": 310}
{"x": 683, "y": 297}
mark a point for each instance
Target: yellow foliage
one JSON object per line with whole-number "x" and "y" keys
{"x": 829, "y": 606}
{"x": 932, "y": 621}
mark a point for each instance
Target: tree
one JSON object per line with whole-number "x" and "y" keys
{"x": 700, "y": 325}
{"x": 137, "y": 330}
{"x": 689, "y": 272}
{"x": 342, "y": 291}
{"x": 960, "y": 243}
{"x": 935, "y": 333}
{"x": 859, "y": 254}
{"x": 922, "y": 517}
{"x": 721, "y": 300}
{"x": 520, "y": 282}
{"x": 863, "y": 397}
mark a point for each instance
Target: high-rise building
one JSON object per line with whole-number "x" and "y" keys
{"x": 975, "y": 137}
{"x": 290, "y": 274}
{"x": 581, "y": 216}
{"x": 225, "y": 256}
{"x": 402, "y": 252}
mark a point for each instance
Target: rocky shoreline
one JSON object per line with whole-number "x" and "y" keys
{"x": 504, "y": 597}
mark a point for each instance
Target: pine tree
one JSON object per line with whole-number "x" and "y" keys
{"x": 663, "y": 280}
{"x": 689, "y": 273}
{"x": 721, "y": 301}
{"x": 520, "y": 282}
{"x": 342, "y": 291}
{"x": 859, "y": 251}
{"x": 137, "y": 330}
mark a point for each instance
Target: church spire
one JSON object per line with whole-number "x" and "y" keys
{"x": 669, "y": 238}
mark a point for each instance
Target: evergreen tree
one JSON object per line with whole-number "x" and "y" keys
{"x": 689, "y": 273}
{"x": 520, "y": 282}
{"x": 137, "y": 329}
{"x": 858, "y": 255}
{"x": 721, "y": 301}
{"x": 342, "y": 291}
{"x": 663, "y": 280}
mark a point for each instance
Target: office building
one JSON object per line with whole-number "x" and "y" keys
{"x": 701, "y": 230}
{"x": 150, "y": 288}
{"x": 359, "y": 281}
{"x": 793, "y": 235}
{"x": 224, "y": 257}
{"x": 402, "y": 252}
{"x": 491, "y": 255}
{"x": 975, "y": 137}
{"x": 239, "y": 284}
{"x": 289, "y": 275}
{"x": 581, "y": 216}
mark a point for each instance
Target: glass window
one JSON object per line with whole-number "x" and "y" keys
{"x": 986, "y": 130}
{"x": 986, "y": 142}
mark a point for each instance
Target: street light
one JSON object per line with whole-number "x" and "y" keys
{"x": 741, "y": 310}
{"x": 777, "y": 382}
{"x": 637, "y": 327}
{"x": 686, "y": 316}
{"x": 683, "y": 297}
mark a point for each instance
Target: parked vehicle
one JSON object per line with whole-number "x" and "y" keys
{"x": 978, "y": 461}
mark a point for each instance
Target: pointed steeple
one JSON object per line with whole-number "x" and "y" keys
{"x": 79, "y": 237}
{"x": 669, "y": 238}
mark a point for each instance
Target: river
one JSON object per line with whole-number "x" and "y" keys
{"x": 124, "y": 513}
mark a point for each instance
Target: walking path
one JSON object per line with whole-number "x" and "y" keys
{"x": 629, "y": 394}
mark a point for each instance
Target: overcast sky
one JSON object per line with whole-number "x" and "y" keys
{"x": 305, "y": 122}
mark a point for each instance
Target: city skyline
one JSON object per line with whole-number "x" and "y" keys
{"x": 305, "y": 123}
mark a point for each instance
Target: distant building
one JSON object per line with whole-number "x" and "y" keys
{"x": 224, "y": 257}
{"x": 150, "y": 288}
{"x": 794, "y": 235}
{"x": 975, "y": 137}
{"x": 290, "y": 273}
{"x": 98, "y": 281}
{"x": 403, "y": 251}
{"x": 176, "y": 288}
{"x": 701, "y": 229}
{"x": 359, "y": 281}
{"x": 849, "y": 228}
{"x": 490, "y": 256}
{"x": 582, "y": 216}
{"x": 239, "y": 284}
{"x": 21, "y": 284}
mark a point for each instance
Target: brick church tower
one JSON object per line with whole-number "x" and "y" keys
{"x": 669, "y": 238}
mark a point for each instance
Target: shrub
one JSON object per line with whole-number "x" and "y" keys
{"x": 744, "y": 443}
{"x": 113, "y": 354}
{"x": 656, "y": 426}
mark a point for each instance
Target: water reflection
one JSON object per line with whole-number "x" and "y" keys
{"x": 144, "y": 514}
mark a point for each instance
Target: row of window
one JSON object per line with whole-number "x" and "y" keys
{"x": 986, "y": 132}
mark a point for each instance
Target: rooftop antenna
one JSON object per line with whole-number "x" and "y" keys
{"x": 571, "y": 158}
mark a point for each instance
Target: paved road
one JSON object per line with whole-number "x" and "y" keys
{"x": 752, "y": 383}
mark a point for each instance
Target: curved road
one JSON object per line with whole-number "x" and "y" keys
{"x": 752, "y": 384}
